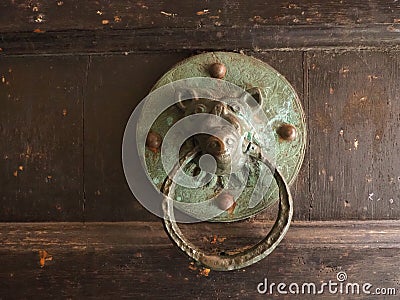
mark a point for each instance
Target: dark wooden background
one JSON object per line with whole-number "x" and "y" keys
{"x": 73, "y": 71}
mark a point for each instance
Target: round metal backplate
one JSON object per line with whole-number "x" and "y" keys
{"x": 281, "y": 105}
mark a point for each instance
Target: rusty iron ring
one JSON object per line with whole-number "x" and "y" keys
{"x": 249, "y": 256}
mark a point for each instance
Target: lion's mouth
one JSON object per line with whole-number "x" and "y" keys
{"x": 223, "y": 158}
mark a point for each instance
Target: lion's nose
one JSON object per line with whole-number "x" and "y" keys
{"x": 215, "y": 146}
{"x": 219, "y": 109}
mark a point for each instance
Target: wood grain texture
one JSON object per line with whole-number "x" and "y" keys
{"x": 22, "y": 15}
{"x": 354, "y": 133}
{"x": 116, "y": 84}
{"x": 137, "y": 260}
{"x": 41, "y": 138}
{"x": 282, "y": 38}
{"x": 119, "y": 26}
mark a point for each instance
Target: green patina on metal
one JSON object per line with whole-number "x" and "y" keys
{"x": 280, "y": 104}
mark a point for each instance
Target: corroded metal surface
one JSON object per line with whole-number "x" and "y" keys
{"x": 241, "y": 259}
{"x": 279, "y": 103}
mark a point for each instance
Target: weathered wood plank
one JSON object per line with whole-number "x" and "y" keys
{"x": 255, "y": 38}
{"x": 116, "y": 84}
{"x": 348, "y": 76}
{"x": 41, "y": 138}
{"x": 137, "y": 260}
{"x": 354, "y": 133}
{"x": 104, "y": 236}
{"x": 22, "y": 15}
{"x": 93, "y": 26}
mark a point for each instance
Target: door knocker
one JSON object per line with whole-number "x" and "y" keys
{"x": 220, "y": 137}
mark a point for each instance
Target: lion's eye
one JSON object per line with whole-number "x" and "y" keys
{"x": 235, "y": 107}
{"x": 200, "y": 108}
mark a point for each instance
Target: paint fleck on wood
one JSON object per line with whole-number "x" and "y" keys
{"x": 43, "y": 257}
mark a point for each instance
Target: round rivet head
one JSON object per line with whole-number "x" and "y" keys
{"x": 217, "y": 70}
{"x": 153, "y": 140}
{"x": 225, "y": 201}
{"x": 286, "y": 132}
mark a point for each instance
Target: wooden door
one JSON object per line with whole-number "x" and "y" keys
{"x": 73, "y": 71}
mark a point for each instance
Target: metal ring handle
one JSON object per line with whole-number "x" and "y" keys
{"x": 249, "y": 256}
